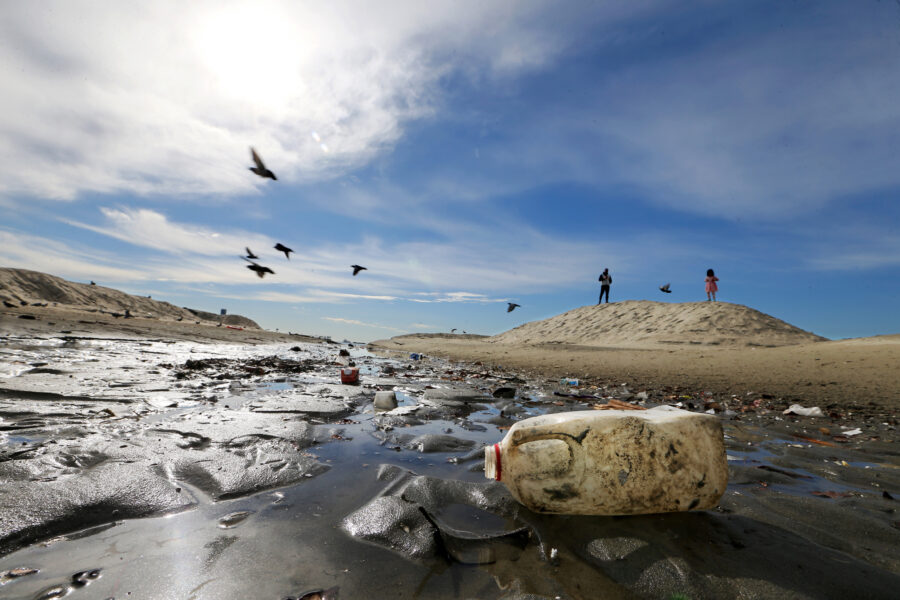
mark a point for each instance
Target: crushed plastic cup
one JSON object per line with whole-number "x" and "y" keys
{"x": 569, "y": 381}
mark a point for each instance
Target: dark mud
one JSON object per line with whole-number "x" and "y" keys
{"x": 154, "y": 470}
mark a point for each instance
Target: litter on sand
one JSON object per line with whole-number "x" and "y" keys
{"x": 796, "y": 409}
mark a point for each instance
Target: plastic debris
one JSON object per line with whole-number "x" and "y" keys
{"x": 568, "y": 381}
{"x": 852, "y": 432}
{"x": 350, "y": 375}
{"x": 796, "y": 409}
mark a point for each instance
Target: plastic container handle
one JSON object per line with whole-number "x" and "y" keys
{"x": 576, "y": 470}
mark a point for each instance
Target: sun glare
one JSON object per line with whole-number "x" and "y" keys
{"x": 252, "y": 52}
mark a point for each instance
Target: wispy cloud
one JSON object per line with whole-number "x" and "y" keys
{"x": 362, "y": 324}
{"x": 162, "y": 105}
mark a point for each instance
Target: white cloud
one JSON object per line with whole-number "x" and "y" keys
{"x": 166, "y": 97}
{"x": 152, "y": 229}
{"x": 361, "y": 323}
{"x": 25, "y": 251}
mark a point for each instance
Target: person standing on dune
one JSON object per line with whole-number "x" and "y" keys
{"x": 605, "y": 281}
{"x": 711, "y": 287}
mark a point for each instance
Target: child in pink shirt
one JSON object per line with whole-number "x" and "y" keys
{"x": 711, "y": 287}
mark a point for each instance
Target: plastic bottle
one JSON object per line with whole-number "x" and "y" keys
{"x": 613, "y": 462}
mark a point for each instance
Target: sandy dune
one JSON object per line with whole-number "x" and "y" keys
{"x": 638, "y": 323}
{"x": 22, "y": 285}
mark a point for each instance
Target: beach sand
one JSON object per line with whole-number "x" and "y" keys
{"x": 696, "y": 354}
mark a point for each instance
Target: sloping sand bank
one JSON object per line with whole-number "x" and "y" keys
{"x": 640, "y": 323}
{"x": 18, "y": 286}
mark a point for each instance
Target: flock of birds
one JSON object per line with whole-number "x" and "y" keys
{"x": 260, "y": 270}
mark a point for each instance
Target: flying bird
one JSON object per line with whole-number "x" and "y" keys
{"x": 512, "y": 306}
{"x": 453, "y": 330}
{"x": 282, "y": 248}
{"x": 665, "y": 288}
{"x": 357, "y": 269}
{"x": 250, "y": 253}
{"x": 258, "y": 269}
{"x": 260, "y": 169}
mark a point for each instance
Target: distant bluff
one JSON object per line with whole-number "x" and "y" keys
{"x": 645, "y": 323}
{"x": 18, "y": 285}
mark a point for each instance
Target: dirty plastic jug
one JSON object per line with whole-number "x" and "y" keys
{"x": 613, "y": 462}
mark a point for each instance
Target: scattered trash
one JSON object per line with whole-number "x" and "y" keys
{"x": 234, "y": 519}
{"x": 350, "y": 375}
{"x": 642, "y": 396}
{"x": 814, "y": 441}
{"x": 385, "y": 400}
{"x": 852, "y": 432}
{"x": 6, "y": 576}
{"x": 403, "y": 410}
{"x": 796, "y": 409}
{"x": 415, "y": 356}
{"x": 344, "y": 352}
{"x": 555, "y": 463}
{"x": 614, "y": 404}
{"x": 568, "y": 381}
{"x": 329, "y": 594}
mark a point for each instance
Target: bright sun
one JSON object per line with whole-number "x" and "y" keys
{"x": 252, "y": 52}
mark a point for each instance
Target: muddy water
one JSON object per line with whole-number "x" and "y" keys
{"x": 175, "y": 470}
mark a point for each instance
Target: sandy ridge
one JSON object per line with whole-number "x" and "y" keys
{"x": 636, "y": 323}
{"x": 23, "y": 285}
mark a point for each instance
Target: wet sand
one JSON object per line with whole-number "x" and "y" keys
{"x": 168, "y": 463}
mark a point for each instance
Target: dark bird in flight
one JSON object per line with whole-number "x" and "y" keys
{"x": 453, "y": 330}
{"x": 260, "y": 169}
{"x": 250, "y": 253}
{"x": 357, "y": 269}
{"x": 512, "y": 306}
{"x": 282, "y": 248}
{"x": 258, "y": 269}
{"x": 665, "y": 288}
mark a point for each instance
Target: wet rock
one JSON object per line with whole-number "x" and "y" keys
{"x": 35, "y": 510}
{"x": 406, "y": 518}
{"x": 504, "y": 392}
{"x": 291, "y": 402}
{"x": 431, "y": 442}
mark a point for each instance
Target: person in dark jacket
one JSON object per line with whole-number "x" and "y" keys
{"x": 605, "y": 281}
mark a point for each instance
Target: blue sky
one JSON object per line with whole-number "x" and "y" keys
{"x": 467, "y": 153}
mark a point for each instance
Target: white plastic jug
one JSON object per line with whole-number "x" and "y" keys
{"x": 613, "y": 462}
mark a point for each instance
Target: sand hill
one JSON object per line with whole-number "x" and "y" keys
{"x": 643, "y": 322}
{"x": 22, "y": 285}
